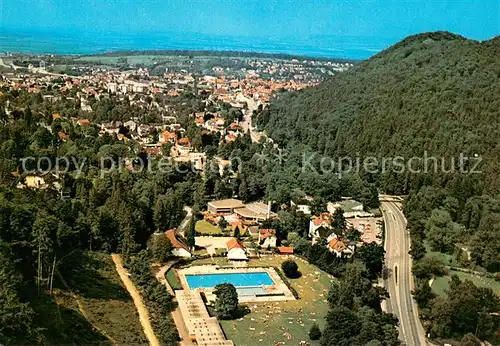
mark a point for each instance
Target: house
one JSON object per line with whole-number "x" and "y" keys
{"x": 144, "y": 129}
{"x": 236, "y": 250}
{"x": 63, "y": 136}
{"x": 167, "y": 136}
{"x": 303, "y": 208}
{"x": 39, "y": 181}
{"x": 180, "y": 247}
{"x": 224, "y": 206}
{"x": 222, "y": 164}
{"x": 197, "y": 160}
{"x": 341, "y": 247}
{"x": 184, "y": 146}
{"x": 267, "y": 238}
{"x": 350, "y": 207}
{"x": 302, "y": 205}
{"x": 234, "y": 127}
{"x": 253, "y": 231}
{"x": 131, "y": 125}
{"x": 285, "y": 250}
{"x": 320, "y": 226}
{"x": 152, "y": 149}
{"x": 83, "y": 122}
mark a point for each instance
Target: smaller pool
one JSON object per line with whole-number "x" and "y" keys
{"x": 237, "y": 279}
{"x": 250, "y": 291}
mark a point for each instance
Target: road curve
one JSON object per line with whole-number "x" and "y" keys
{"x": 399, "y": 282}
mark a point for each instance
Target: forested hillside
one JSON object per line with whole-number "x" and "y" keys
{"x": 437, "y": 93}
{"x": 434, "y": 92}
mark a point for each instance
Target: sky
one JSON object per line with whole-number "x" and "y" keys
{"x": 264, "y": 19}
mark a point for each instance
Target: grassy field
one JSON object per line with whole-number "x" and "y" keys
{"x": 441, "y": 284}
{"x": 131, "y": 59}
{"x": 205, "y": 227}
{"x": 285, "y": 323}
{"x": 107, "y": 304}
{"x": 172, "y": 279}
{"x": 446, "y": 258}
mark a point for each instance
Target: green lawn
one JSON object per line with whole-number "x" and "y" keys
{"x": 205, "y": 227}
{"x": 441, "y": 284}
{"x": 173, "y": 280}
{"x": 288, "y": 322}
{"x": 446, "y": 258}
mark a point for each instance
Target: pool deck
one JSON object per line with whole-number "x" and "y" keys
{"x": 203, "y": 329}
{"x": 278, "y": 292}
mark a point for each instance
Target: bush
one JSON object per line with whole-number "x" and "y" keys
{"x": 226, "y": 302}
{"x": 285, "y": 280}
{"x": 290, "y": 269}
{"x": 314, "y": 332}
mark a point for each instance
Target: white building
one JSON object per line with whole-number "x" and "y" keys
{"x": 236, "y": 250}
{"x": 350, "y": 207}
{"x": 179, "y": 244}
{"x": 267, "y": 238}
{"x": 320, "y": 226}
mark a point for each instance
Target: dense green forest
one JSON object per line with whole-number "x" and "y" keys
{"x": 44, "y": 237}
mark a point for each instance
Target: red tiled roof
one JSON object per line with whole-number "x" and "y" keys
{"x": 337, "y": 244}
{"x": 285, "y": 249}
{"x": 184, "y": 141}
{"x": 264, "y": 233}
{"x": 83, "y": 122}
{"x": 62, "y": 136}
{"x": 235, "y": 244}
{"x": 177, "y": 240}
{"x": 318, "y": 220}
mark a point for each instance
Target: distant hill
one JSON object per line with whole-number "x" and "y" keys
{"x": 436, "y": 92}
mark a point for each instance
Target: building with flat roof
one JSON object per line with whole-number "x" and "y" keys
{"x": 257, "y": 211}
{"x": 224, "y": 206}
{"x": 203, "y": 329}
{"x": 253, "y": 212}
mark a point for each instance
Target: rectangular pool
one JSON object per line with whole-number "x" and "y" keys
{"x": 237, "y": 279}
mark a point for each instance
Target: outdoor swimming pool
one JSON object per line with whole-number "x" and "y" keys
{"x": 239, "y": 280}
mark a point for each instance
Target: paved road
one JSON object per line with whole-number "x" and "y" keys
{"x": 400, "y": 280}
{"x": 185, "y": 222}
{"x": 246, "y": 123}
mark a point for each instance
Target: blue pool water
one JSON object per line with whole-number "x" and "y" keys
{"x": 237, "y": 279}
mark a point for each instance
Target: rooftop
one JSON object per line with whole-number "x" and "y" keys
{"x": 177, "y": 240}
{"x": 227, "y": 203}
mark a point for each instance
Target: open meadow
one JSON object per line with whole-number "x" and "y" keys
{"x": 441, "y": 284}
